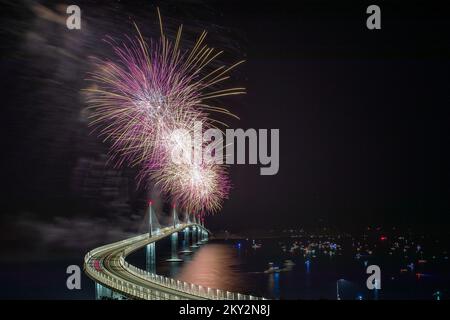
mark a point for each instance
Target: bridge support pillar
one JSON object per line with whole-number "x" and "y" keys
{"x": 104, "y": 293}
{"x": 174, "y": 257}
{"x": 194, "y": 236}
{"x": 205, "y": 236}
{"x": 101, "y": 293}
{"x": 199, "y": 236}
{"x": 150, "y": 255}
{"x": 186, "y": 242}
{"x": 152, "y": 225}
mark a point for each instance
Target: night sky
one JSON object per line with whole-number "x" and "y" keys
{"x": 363, "y": 115}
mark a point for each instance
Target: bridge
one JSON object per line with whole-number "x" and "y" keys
{"x": 115, "y": 278}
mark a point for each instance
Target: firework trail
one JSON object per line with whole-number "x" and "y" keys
{"x": 149, "y": 92}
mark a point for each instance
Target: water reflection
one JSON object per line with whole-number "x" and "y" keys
{"x": 274, "y": 285}
{"x": 214, "y": 266}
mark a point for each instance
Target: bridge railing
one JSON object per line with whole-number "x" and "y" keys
{"x": 130, "y": 289}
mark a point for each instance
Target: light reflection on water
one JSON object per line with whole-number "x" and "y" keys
{"x": 214, "y": 266}
{"x": 238, "y": 267}
{"x": 274, "y": 284}
{"x": 229, "y": 266}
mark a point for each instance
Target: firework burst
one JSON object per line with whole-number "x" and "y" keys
{"x": 195, "y": 187}
{"x": 150, "y": 91}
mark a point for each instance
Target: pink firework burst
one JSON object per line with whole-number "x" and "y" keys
{"x": 138, "y": 100}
